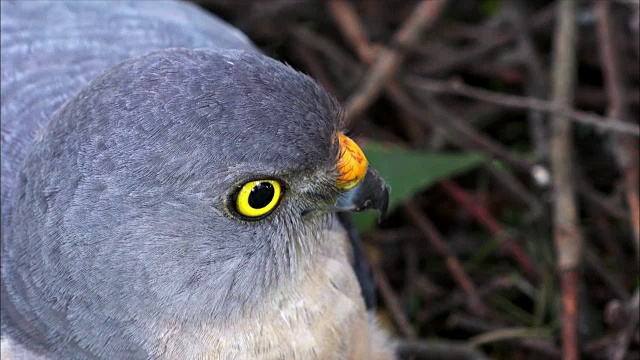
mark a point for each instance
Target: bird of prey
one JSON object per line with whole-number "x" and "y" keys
{"x": 169, "y": 192}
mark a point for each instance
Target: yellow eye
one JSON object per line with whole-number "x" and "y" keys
{"x": 258, "y": 198}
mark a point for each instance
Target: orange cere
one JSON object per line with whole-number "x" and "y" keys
{"x": 352, "y": 164}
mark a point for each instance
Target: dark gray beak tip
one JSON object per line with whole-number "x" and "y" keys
{"x": 371, "y": 193}
{"x": 384, "y": 204}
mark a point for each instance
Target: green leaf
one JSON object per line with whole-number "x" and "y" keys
{"x": 408, "y": 171}
{"x": 490, "y": 7}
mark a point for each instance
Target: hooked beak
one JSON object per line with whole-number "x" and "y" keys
{"x": 362, "y": 185}
{"x": 371, "y": 193}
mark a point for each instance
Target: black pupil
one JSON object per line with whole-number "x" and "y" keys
{"x": 261, "y": 195}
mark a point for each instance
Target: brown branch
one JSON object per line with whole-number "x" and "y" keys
{"x": 520, "y": 102}
{"x": 388, "y": 62}
{"x": 472, "y": 54}
{"x": 469, "y": 323}
{"x": 626, "y": 150}
{"x": 345, "y": 15}
{"x": 461, "y": 134}
{"x": 508, "y": 333}
{"x": 483, "y": 216}
{"x": 593, "y": 261}
{"x": 354, "y": 32}
{"x": 391, "y": 300}
{"x": 536, "y": 81}
{"x": 459, "y": 298}
{"x": 334, "y": 54}
{"x": 511, "y": 184}
{"x": 604, "y": 203}
{"x": 411, "y": 272}
{"x": 567, "y": 235}
{"x": 426, "y": 227}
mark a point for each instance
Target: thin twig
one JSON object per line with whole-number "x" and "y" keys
{"x": 388, "y": 62}
{"x": 354, "y": 32}
{"x": 483, "y": 216}
{"x": 430, "y": 232}
{"x": 335, "y": 54}
{"x": 626, "y": 151}
{"x": 473, "y": 54}
{"x": 510, "y": 183}
{"x": 611, "y": 280}
{"x": 507, "y": 334}
{"x": 536, "y": 81}
{"x": 469, "y": 323}
{"x": 464, "y": 135}
{"x": 460, "y": 133}
{"x": 604, "y": 203}
{"x": 567, "y": 234}
{"x": 459, "y": 298}
{"x": 391, "y": 300}
{"x": 520, "y": 102}
{"x": 345, "y": 15}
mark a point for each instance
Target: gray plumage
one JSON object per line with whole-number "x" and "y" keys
{"x": 126, "y": 129}
{"x": 51, "y": 49}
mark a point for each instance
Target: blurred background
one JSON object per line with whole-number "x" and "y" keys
{"x": 508, "y": 131}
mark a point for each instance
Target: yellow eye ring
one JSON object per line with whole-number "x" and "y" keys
{"x": 258, "y": 198}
